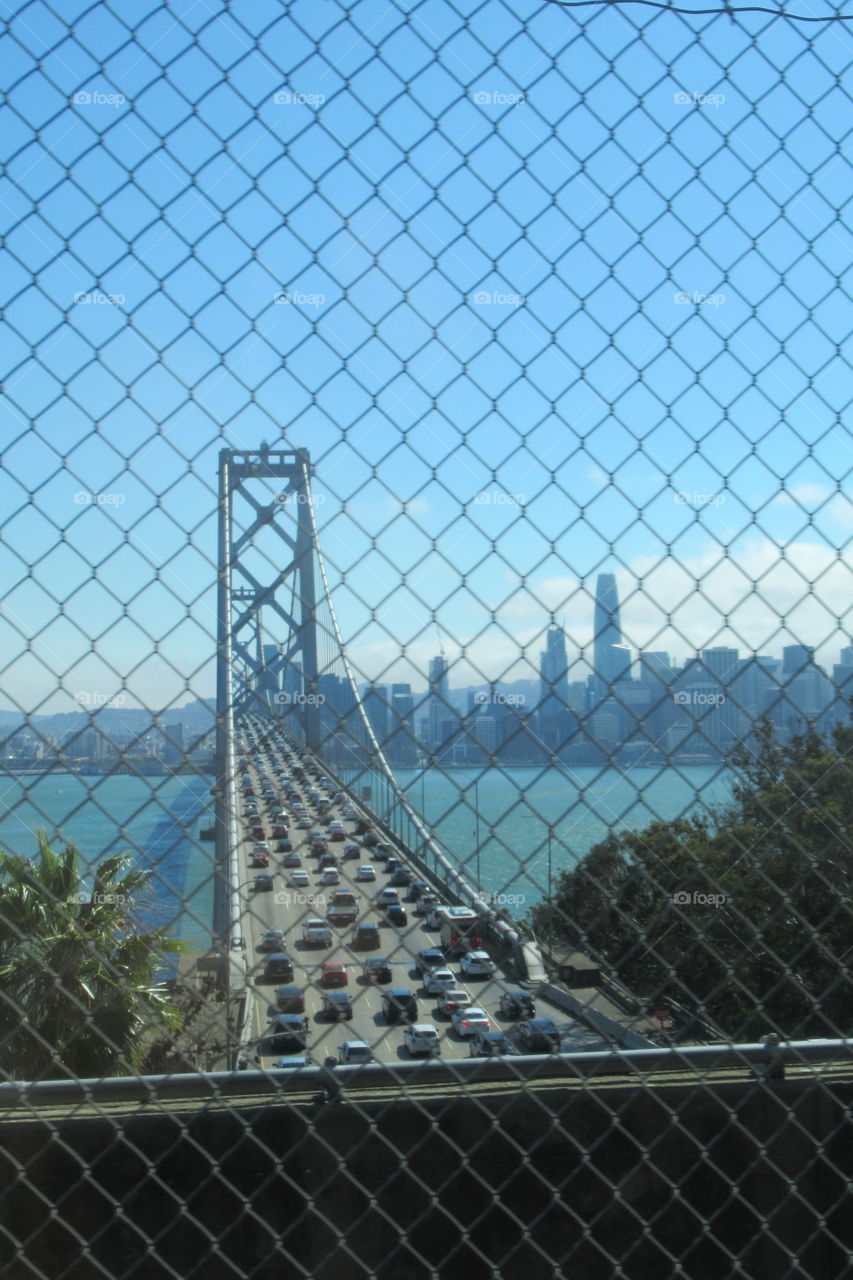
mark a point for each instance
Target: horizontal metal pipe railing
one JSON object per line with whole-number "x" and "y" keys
{"x": 569, "y": 1066}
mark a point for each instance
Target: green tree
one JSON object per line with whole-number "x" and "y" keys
{"x": 744, "y": 916}
{"x": 76, "y": 967}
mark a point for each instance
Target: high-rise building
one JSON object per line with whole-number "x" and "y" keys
{"x": 553, "y": 710}
{"x": 440, "y": 713}
{"x": 611, "y": 657}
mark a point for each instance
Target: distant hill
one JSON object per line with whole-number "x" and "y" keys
{"x": 198, "y": 717}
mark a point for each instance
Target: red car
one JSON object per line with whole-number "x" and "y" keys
{"x": 335, "y": 974}
{"x": 258, "y": 832}
{"x": 260, "y": 859}
{"x": 280, "y": 830}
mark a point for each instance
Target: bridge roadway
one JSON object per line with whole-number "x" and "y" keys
{"x": 287, "y": 908}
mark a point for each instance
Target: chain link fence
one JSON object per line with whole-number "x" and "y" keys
{"x": 556, "y": 297}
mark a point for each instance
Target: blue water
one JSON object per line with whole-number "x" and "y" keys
{"x": 495, "y": 824}
{"x": 155, "y": 819}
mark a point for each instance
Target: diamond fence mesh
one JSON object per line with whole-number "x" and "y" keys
{"x": 551, "y": 304}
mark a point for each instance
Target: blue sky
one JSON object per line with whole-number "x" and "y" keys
{"x": 545, "y": 293}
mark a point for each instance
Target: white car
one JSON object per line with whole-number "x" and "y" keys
{"x": 439, "y": 980}
{"x": 331, "y": 876}
{"x": 422, "y": 1038}
{"x": 477, "y": 964}
{"x": 470, "y": 1021}
{"x": 353, "y": 1051}
{"x": 388, "y": 898}
{"x": 366, "y": 872}
{"x": 300, "y": 880}
{"x": 317, "y": 933}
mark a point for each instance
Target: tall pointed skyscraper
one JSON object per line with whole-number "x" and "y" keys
{"x": 553, "y": 688}
{"x": 611, "y": 657}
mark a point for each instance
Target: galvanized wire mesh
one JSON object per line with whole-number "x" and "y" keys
{"x": 556, "y": 299}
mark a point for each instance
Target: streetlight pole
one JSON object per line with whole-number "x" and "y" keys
{"x": 550, "y": 868}
{"x": 477, "y": 818}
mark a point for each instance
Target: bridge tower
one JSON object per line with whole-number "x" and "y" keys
{"x": 266, "y": 585}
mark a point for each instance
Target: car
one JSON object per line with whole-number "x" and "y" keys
{"x": 261, "y": 846}
{"x": 365, "y": 872}
{"x": 303, "y": 824}
{"x": 422, "y": 1039}
{"x": 470, "y": 1021}
{"x": 491, "y": 1044}
{"x": 451, "y": 1000}
{"x": 392, "y": 864}
{"x": 290, "y": 999}
{"x": 331, "y": 875}
{"x": 440, "y": 980}
{"x": 264, "y": 882}
{"x": 399, "y": 1002}
{"x": 260, "y": 858}
{"x": 477, "y": 964}
{"x": 287, "y": 1031}
{"x": 278, "y": 968}
{"x": 366, "y": 935}
{"x": 284, "y": 846}
{"x": 378, "y": 969}
{"x": 316, "y": 933}
{"x": 291, "y": 1064}
{"x": 518, "y": 1004}
{"x": 272, "y": 940}
{"x": 396, "y": 914}
{"x": 343, "y": 908}
{"x": 335, "y": 974}
{"x": 539, "y": 1035}
{"x": 337, "y": 834}
{"x": 258, "y": 832}
{"x": 300, "y": 879}
{"x": 291, "y": 859}
{"x": 434, "y": 917}
{"x": 426, "y": 903}
{"x": 326, "y": 860}
{"x": 387, "y": 897}
{"x": 416, "y": 889}
{"x": 352, "y": 1052}
{"x": 337, "y": 1004}
{"x": 280, "y": 830}
{"x": 370, "y": 839}
{"x": 429, "y": 958}
{"x": 402, "y": 876}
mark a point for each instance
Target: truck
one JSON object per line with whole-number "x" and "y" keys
{"x": 316, "y": 933}
{"x": 343, "y": 907}
{"x": 460, "y": 930}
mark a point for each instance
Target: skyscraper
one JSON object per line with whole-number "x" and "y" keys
{"x": 440, "y": 712}
{"x": 554, "y": 689}
{"x": 611, "y": 658}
